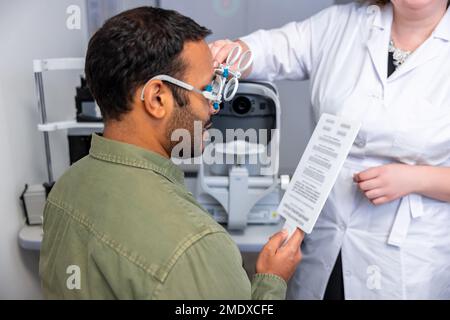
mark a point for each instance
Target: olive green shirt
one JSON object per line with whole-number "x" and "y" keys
{"x": 120, "y": 224}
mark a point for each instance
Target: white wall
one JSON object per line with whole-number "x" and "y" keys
{"x": 100, "y": 10}
{"x": 30, "y": 30}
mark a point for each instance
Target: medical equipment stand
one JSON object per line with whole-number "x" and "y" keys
{"x": 31, "y": 236}
{"x": 40, "y": 66}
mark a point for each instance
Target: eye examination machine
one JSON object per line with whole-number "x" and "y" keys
{"x": 246, "y": 189}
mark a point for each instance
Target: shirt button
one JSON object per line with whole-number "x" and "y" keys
{"x": 360, "y": 141}
{"x": 376, "y": 96}
{"x": 347, "y": 273}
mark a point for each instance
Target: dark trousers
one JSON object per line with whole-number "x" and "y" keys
{"x": 335, "y": 286}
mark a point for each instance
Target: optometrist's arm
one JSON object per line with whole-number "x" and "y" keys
{"x": 282, "y": 54}
{"x": 290, "y": 52}
{"x": 434, "y": 182}
{"x": 294, "y": 51}
{"x": 212, "y": 269}
{"x": 278, "y": 54}
{"x": 393, "y": 181}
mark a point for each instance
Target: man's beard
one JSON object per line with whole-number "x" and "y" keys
{"x": 183, "y": 118}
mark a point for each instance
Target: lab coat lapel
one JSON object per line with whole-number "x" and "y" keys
{"x": 378, "y": 42}
{"x": 429, "y": 50}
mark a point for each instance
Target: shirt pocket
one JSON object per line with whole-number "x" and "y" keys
{"x": 408, "y": 147}
{"x": 415, "y": 131}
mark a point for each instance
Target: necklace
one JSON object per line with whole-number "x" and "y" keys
{"x": 399, "y": 55}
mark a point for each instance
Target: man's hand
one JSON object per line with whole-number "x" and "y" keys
{"x": 220, "y": 50}
{"x": 387, "y": 183}
{"x": 281, "y": 260}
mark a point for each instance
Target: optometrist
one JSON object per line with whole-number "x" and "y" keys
{"x": 384, "y": 232}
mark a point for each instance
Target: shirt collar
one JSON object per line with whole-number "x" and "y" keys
{"x": 133, "y": 156}
{"x": 383, "y": 16}
{"x": 442, "y": 31}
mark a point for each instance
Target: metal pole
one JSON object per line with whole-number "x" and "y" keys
{"x": 41, "y": 107}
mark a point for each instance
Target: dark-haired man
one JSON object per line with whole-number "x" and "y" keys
{"x": 120, "y": 223}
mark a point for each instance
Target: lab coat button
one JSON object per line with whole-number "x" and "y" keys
{"x": 360, "y": 141}
{"x": 377, "y": 96}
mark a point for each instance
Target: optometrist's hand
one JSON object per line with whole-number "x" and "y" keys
{"x": 387, "y": 183}
{"x": 281, "y": 260}
{"x": 220, "y": 50}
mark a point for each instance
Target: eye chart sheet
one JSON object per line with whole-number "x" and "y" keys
{"x": 317, "y": 172}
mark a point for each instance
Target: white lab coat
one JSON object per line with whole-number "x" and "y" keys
{"x": 400, "y": 250}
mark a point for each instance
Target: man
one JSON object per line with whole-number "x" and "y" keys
{"x": 120, "y": 222}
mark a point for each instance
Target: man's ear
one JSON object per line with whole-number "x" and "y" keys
{"x": 158, "y": 99}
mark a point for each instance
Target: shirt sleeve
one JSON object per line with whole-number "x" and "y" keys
{"x": 268, "y": 287}
{"x": 283, "y": 53}
{"x": 293, "y": 51}
{"x": 211, "y": 269}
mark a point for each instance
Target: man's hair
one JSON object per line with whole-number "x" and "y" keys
{"x": 130, "y": 49}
